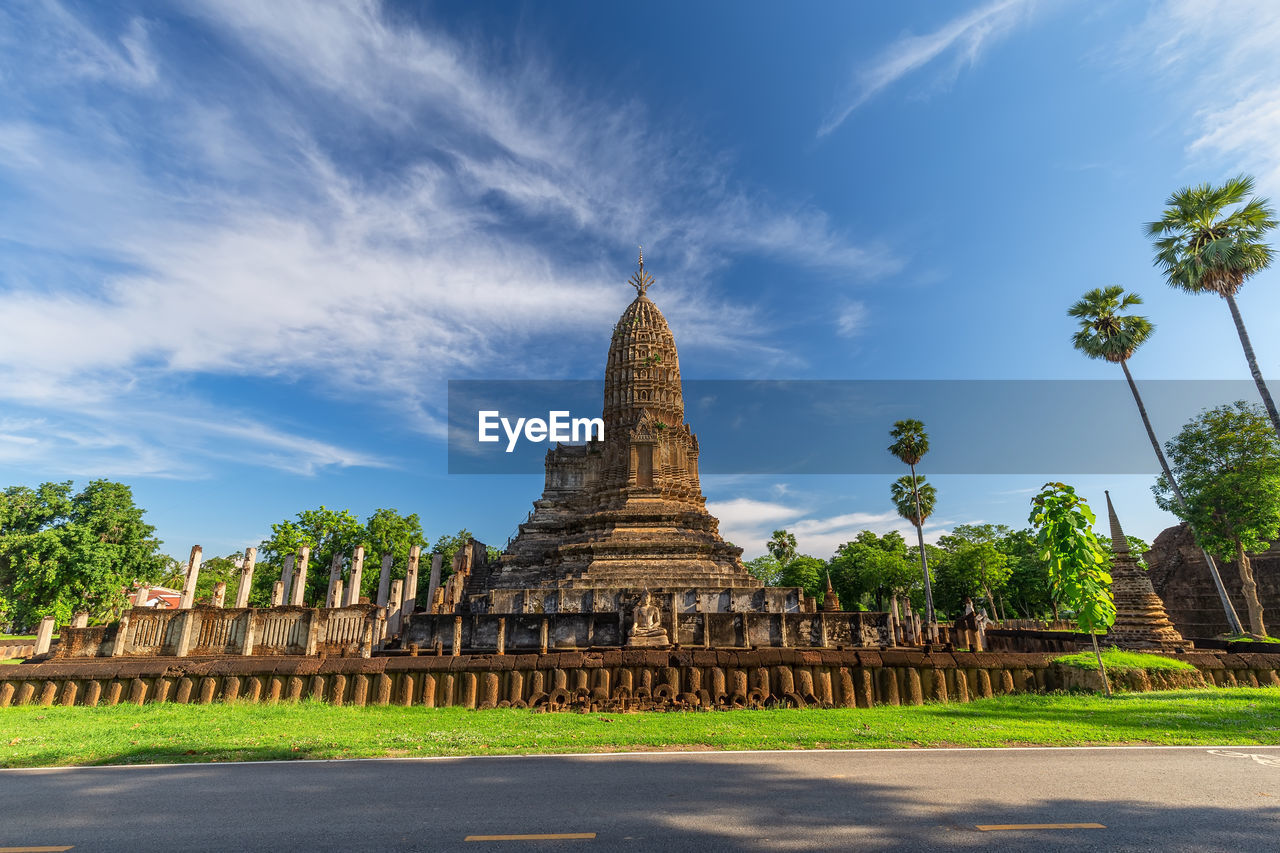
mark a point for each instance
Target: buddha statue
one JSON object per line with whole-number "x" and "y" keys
{"x": 646, "y": 624}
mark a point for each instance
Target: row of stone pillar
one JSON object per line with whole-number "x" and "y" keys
{"x": 400, "y": 597}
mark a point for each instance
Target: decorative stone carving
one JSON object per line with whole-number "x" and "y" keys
{"x": 646, "y": 625}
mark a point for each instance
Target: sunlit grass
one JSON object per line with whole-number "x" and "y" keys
{"x": 167, "y": 732}
{"x": 1115, "y": 659}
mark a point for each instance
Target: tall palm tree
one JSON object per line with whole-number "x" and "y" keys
{"x": 910, "y": 445}
{"x": 1200, "y": 249}
{"x": 1108, "y": 333}
{"x": 782, "y": 545}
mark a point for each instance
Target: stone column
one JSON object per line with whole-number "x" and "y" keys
{"x": 457, "y": 635}
{"x": 122, "y": 636}
{"x": 251, "y": 628}
{"x": 286, "y": 578}
{"x": 220, "y": 594}
{"x": 277, "y": 593}
{"x": 410, "y": 585}
{"x": 193, "y": 574}
{"x": 393, "y": 608}
{"x": 186, "y": 626}
{"x": 80, "y": 620}
{"x": 246, "y": 577}
{"x": 335, "y": 581}
{"x": 384, "y": 580}
{"x": 502, "y": 635}
{"x": 433, "y": 584}
{"x": 44, "y": 635}
{"x": 357, "y": 572}
{"x": 141, "y": 596}
{"x": 300, "y": 577}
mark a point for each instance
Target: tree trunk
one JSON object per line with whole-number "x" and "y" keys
{"x": 1233, "y": 621}
{"x": 1250, "y": 589}
{"x": 991, "y": 601}
{"x": 1102, "y": 668}
{"x": 1253, "y": 364}
{"x": 924, "y": 560}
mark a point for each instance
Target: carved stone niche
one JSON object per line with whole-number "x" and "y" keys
{"x": 646, "y": 625}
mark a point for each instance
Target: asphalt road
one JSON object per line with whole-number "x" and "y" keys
{"x": 1169, "y": 799}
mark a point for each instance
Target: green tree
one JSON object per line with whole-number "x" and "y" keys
{"x": 880, "y": 566}
{"x": 1228, "y": 462}
{"x": 1106, "y": 332}
{"x": 1064, "y": 523}
{"x": 765, "y": 569}
{"x": 782, "y": 545}
{"x": 910, "y": 444}
{"x": 389, "y": 532}
{"x": 1201, "y": 248}
{"x": 327, "y": 532}
{"x": 973, "y": 565}
{"x": 1028, "y": 588}
{"x": 62, "y": 552}
{"x": 806, "y": 572}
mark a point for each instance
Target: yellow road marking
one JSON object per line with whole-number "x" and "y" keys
{"x": 997, "y": 827}
{"x": 558, "y": 836}
{"x": 34, "y": 849}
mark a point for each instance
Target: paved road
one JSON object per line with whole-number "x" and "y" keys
{"x": 1160, "y": 798}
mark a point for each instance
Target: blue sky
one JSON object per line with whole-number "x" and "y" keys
{"x": 244, "y": 245}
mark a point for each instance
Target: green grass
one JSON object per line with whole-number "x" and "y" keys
{"x": 11, "y": 660}
{"x": 1116, "y": 659}
{"x": 166, "y": 732}
{"x": 4, "y": 638}
{"x": 1249, "y": 638}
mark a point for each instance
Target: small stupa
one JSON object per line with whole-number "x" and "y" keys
{"x": 1141, "y": 621}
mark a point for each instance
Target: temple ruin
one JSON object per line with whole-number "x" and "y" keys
{"x": 621, "y": 519}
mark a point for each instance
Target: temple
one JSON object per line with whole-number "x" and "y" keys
{"x": 625, "y": 516}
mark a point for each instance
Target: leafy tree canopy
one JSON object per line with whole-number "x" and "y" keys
{"x": 62, "y": 552}
{"x": 1077, "y": 565}
{"x": 1227, "y": 461}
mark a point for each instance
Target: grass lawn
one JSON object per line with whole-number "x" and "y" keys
{"x": 1116, "y": 659}
{"x": 164, "y": 732}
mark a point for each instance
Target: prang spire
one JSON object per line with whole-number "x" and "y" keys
{"x": 641, "y": 280}
{"x": 1119, "y": 544}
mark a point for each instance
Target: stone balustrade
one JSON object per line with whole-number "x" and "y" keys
{"x": 243, "y": 631}
{"x": 618, "y": 679}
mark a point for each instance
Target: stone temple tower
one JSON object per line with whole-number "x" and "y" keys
{"x": 627, "y": 512}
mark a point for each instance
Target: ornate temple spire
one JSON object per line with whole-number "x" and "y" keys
{"x": 1141, "y": 620}
{"x": 641, "y": 280}
{"x": 1119, "y": 543}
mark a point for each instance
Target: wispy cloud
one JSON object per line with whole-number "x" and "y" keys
{"x": 1218, "y": 59}
{"x": 851, "y": 319}
{"x": 340, "y": 197}
{"x": 962, "y": 39}
{"x": 749, "y": 523}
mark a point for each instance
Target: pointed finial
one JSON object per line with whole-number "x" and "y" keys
{"x": 1119, "y": 544}
{"x": 641, "y": 279}
{"x": 829, "y": 581}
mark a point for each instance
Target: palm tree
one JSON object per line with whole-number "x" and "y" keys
{"x": 1108, "y": 333}
{"x": 782, "y": 545}
{"x": 910, "y": 444}
{"x": 1199, "y": 249}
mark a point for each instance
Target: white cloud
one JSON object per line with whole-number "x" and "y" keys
{"x": 964, "y": 38}
{"x": 1218, "y": 59}
{"x": 851, "y": 319}
{"x": 240, "y": 237}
